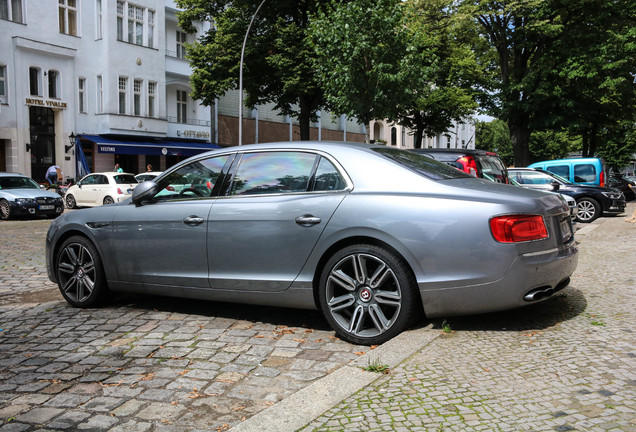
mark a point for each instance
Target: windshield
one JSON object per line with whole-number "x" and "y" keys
{"x": 421, "y": 164}
{"x": 18, "y": 183}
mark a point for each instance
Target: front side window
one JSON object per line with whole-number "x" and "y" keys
{"x": 561, "y": 170}
{"x": 35, "y": 86}
{"x": 11, "y": 10}
{"x": 123, "y": 87}
{"x": 182, "y": 106}
{"x": 137, "y": 97}
{"x": 68, "y": 16}
{"x": 197, "y": 179}
{"x": 273, "y": 173}
{"x": 81, "y": 91}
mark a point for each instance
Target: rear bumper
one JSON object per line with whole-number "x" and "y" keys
{"x": 530, "y": 279}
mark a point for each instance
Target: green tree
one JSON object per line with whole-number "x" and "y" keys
{"x": 278, "y": 65}
{"x": 547, "y": 145}
{"x": 619, "y": 145}
{"x": 495, "y": 136}
{"x": 555, "y": 64}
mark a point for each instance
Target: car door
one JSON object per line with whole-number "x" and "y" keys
{"x": 103, "y": 187}
{"x": 86, "y": 193}
{"x": 273, "y": 213}
{"x": 164, "y": 242}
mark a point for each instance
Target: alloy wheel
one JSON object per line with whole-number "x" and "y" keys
{"x": 363, "y": 295}
{"x": 76, "y": 272}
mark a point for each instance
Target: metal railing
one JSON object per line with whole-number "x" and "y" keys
{"x": 193, "y": 122}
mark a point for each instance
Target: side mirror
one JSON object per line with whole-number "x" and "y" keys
{"x": 144, "y": 192}
{"x": 555, "y": 185}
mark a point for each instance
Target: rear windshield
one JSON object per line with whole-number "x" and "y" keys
{"x": 421, "y": 164}
{"x": 125, "y": 179}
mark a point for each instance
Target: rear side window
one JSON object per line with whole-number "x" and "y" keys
{"x": 327, "y": 177}
{"x": 125, "y": 179}
{"x": 584, "y": 173}
{"x": 561, "y": 170}
{"x": 421, "y": 164}
{"x": 273, "y": 172}
{"x": 492, "y": 169}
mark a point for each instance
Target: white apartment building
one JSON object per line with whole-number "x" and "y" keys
{"x": 459, "y": 136}
{"x": 112, "y": 74}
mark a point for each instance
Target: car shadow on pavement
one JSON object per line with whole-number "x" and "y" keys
{"x": 562, "y": 307}
{"x": 311, "y": 319}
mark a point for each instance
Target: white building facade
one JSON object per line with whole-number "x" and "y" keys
{"x": 113, "y": 74}
{"x": 460, "y": 136}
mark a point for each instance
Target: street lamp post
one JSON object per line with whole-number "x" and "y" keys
{"x": 240, "y": 131}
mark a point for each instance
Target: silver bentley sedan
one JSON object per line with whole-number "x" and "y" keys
{"x": 372, "y": 236}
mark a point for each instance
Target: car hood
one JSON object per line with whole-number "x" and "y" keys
{"x": 27, "y": 193}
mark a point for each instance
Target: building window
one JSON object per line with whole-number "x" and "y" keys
{"x": 182, "y": 106}
{"x": 181, "y": 40}
{"x": 100, "y": 94}
{"x": 135, "y": 24}
{"x": 35, "y": 82}
{"x": 152, "y": 95}
{"x": 11, "y": 10}
{"x": 81, "y": 91}
{"x": 394, "y": 136}
{"x": 123, "y": 84}
{"x": 68, "y": 16}
{"x": 99, "y": 27}
{"x": 3, "y": 84}
{"x": 137, "y": 97}
{"x": 54, "y": 90}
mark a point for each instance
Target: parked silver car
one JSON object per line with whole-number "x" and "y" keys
{"x": 372, "y": 236}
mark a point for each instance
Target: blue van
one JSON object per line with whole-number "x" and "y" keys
{"x": 584, "y": 171}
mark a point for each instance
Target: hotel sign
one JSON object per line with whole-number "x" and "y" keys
{"x": 193, "y": 134}
{"x": 46, "y": 103}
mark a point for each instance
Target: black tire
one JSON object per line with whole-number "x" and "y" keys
{"x": 70, "y": 201}
{"x": 80, "y": 273}
{"x": 5, "y": 210}
{"x": 108, "y": 200}
{"x": 368, "y": 294}
{"x": 589, "y": 210}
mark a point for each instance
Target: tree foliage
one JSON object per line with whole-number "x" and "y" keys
{"x": 495, "y": 136}
{"x": 278, "y": 65}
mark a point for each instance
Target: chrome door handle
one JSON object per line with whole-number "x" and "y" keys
{"x": 307, "y": 220}
{"x": 193, "y": 220}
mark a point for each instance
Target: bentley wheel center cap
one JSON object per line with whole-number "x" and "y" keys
{"x": 365, "y": 295}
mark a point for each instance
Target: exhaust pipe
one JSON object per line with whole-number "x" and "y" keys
{"x": 545, "y": 291}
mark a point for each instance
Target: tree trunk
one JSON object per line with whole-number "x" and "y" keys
{"x": 586, "y": 144}
{"x": 520, "y": 136}
{"x": 304, "y": 120}
{"x": 419, "y": 130}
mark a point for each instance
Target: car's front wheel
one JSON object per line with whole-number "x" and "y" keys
{"x": 5, "y": 210}
{"x": 80, "y": 273}
{"x": 70, "y": 201}
{"x": 368, "y": 294}
{"x": 589, "y": 210}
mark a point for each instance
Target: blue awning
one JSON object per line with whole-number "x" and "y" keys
{"x": 156, "y": 147}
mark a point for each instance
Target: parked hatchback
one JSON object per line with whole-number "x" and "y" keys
{"x": 478, "y": 163}
{"x": 592, "y": 201}
{"x": 100, "y": 188}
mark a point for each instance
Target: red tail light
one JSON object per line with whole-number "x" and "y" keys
{"x": 119, "y": 191}
{"x": 469, "y": 164}
{"x": 602, "y": 179}
{"x": 518, "y": 228}
{"x": 170, "y": 188}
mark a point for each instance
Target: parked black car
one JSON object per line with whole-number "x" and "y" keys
{"x": 478, "y": 163}
{"x": 619, "y": 182}
{"x": 592, "y": 201}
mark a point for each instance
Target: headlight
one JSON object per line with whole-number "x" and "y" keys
{"x": 24, "y": 200}
{"x": 613, "y": 195}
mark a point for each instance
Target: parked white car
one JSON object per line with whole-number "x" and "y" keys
{"x": 100, "y": 188}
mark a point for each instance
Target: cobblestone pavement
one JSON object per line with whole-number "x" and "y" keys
{"x": 144, "y": 363}
{"x": 564, "y": 365}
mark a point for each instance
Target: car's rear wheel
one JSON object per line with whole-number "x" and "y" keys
{"x": 80, "y": 273}
{"x": 368, "y": 294}
{"x": 5, "y": 210}
{"x": 589, "y": 210}
{"x": 70, "y": 201}
{"x": 108, "y": 200}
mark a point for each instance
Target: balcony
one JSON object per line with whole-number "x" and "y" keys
{"x": 177, "y": 65}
